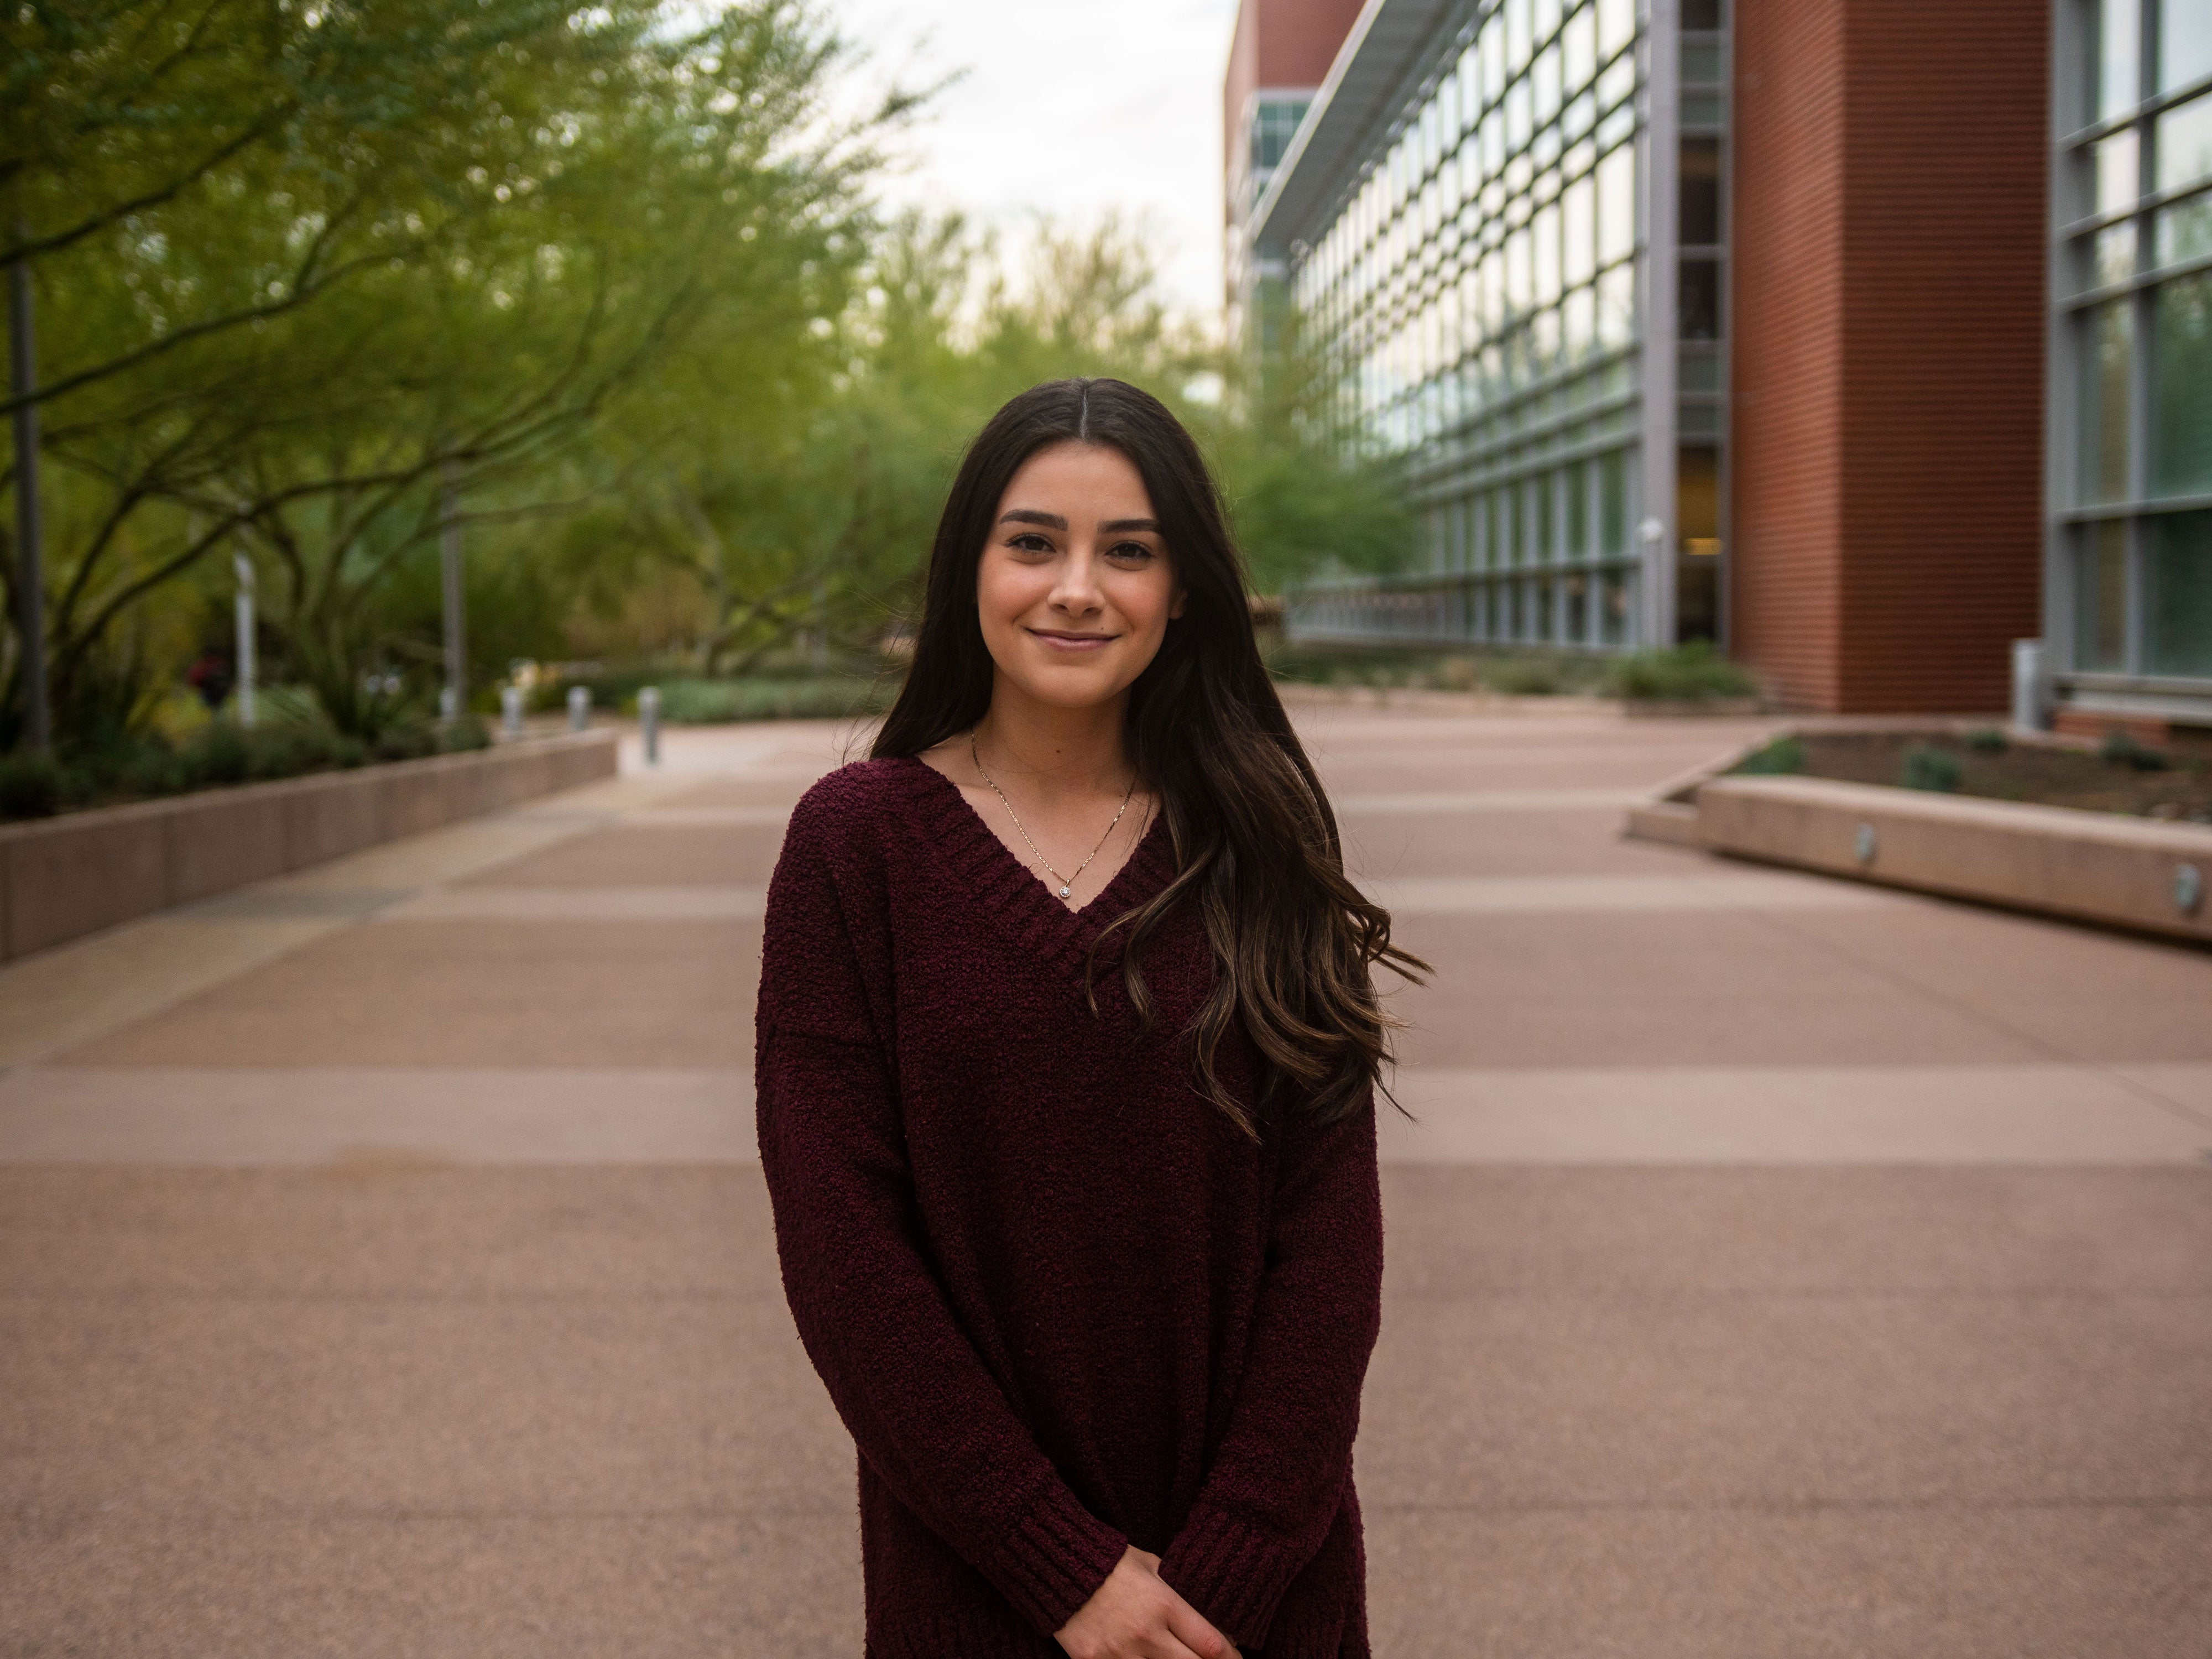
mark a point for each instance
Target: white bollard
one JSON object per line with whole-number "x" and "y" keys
{"x": 648, "y": 719}
{"x": 2031, "y": 693}
{"x": 510, "y": 710}
{"x": 580, "y": 708}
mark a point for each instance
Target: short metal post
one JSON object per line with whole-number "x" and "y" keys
{"x": 580, "y": 708}
{"x": 2030, "y": 695}
{"x": 454, "y": 696}
{"x": 243, "y": 567}
{"x": 648, "y": 716}
{"x": 510, "y": 710}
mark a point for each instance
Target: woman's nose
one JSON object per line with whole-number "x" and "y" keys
{"x": 1078, "y": 586}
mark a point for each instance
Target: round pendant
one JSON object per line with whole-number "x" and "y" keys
{"x": 1063, "y": 892}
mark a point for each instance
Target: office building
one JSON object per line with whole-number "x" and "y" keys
{"x": 1727, "y": 319}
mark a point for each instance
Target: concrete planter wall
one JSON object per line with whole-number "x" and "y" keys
{"x": 2098, "y": 867}
{"x": 65, "y": 877}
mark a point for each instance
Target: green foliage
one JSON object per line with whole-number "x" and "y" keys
{"x": 1927, "y": 767}
{"x": 462, "y": 733}
{"x": 710, "y": 703}
{"x": 31, "y": 784}
{"x": 1987, "y": 740}
{"x": 1683, "y": 673}
{"x": 1781, "y": 757}
{"x": 603, "y": 291}
{"x": 2122, "y": 748}
{"x": 1524, "y": 677}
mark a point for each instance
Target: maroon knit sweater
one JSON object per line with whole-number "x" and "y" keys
{"x": 1061, "y": 1304}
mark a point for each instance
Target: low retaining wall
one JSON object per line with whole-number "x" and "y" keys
{"x": 2098, "y": 866}
{"x": 65, "y": 877}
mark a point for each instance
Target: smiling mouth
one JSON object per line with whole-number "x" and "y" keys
{"x": 1084, "y": 639}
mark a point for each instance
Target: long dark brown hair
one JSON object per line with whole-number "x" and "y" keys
{"x": 1255, "y": 843}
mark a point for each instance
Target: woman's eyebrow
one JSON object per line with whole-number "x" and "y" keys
{"x": 1112, "y": 525}
{"x": 1030, "y": 516}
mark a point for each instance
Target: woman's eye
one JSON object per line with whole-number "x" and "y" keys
{"x": 1030, "y": 544}
{"x": 1132, "y": 550}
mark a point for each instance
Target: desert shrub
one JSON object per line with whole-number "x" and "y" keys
{"x": 32, "y": 785}
{"x": 1779, "y": 758}
{"x": 712, "y": 702}
{"x": 1525, "y": 677}
{"x": 399, "y": 742}
{"x": 1987, "y": 740}
{"x": 1684, "y": 673}
{"x": 1927, "y": 767}
{"x": 464, "y": 733}
{"x": 218, "y": 753}
{"x": 2122, "y": 748}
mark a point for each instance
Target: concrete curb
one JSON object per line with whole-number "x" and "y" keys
{"x": 2059, "y": 861}
{"x": 63, "y": 877}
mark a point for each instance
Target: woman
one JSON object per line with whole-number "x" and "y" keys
{"x": 1068, "y": 1047}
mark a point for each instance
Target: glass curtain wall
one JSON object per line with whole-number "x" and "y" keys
{"x": 1476, "y": 294}
{"x": 2132, "y": 405}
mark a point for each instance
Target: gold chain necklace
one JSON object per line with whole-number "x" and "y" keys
{"x": 1065, "y": 881}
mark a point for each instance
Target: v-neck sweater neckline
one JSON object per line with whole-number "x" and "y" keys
{"x": 1012, "y": 894}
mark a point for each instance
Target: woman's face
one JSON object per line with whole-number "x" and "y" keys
{"x": 1075, "y": 587}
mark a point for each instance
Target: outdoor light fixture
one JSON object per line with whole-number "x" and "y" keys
{"x": 1865, "y": 844}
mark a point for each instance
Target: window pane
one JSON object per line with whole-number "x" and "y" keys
{"x": 1701, "y": 192}
{"x": 2185, "y": 230}
{"x": 2118, "y": 183}
{"x": 1612, "y": 612}
{"x": 2185, "y": 42}
{"x": 2100, "y": 600}
{"x": 2114, "y": 258}
{"x": 1612, "y": 504}
{"x": 1580, "y": 44}
{"x": 2118, "y": 57}
{"x": 2185, "y": 144}
{"x": 1545, "y": 230}
{"x": 2111, "y": 337}
{"x": 2177, "y": 615}
{"x": 1616, "y": 25}
{"x": 1616, "y": 205}
{"x": 2182, "y": 458}
{"x": 1578, "y": 512}
{"x": 1698, "y": 302}
{"x": 1579, "y": 209}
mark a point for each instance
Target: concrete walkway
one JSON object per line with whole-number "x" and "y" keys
{"x": 1778, "y": 1267}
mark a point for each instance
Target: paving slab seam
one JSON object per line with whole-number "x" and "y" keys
{"x": 1800, "y": 1506}
{"x": 2142, "y": 1092}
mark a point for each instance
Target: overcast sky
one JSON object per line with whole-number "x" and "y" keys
{"x": 1071, "y": 108}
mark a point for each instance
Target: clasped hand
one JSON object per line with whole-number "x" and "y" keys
{"x": 1136, "y": 1614}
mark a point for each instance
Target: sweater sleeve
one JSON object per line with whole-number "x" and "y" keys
{"x": 1279, "y": 1476}
{"x": 920, "y": 1403}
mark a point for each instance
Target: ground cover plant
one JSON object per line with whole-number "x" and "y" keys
{"x": 150, "y": 765}
{"x": 2122, "y": 775}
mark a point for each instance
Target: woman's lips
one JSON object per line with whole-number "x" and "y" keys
{"x": 1077, "y": 642}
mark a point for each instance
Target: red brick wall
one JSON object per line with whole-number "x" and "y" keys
{"x": 1887, "y": 348}
{"x": 1281, "y": 43}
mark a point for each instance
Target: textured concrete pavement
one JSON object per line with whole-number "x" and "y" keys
{"x": 1776, "y": 1267}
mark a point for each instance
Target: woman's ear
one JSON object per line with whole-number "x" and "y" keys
{"x": 1176, "y": 606}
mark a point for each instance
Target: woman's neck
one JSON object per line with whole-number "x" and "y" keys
{"x": 1054, "y": 752}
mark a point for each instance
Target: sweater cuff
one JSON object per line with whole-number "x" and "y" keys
{"x": 1054, "y": 1560}
{"x": 1232, "y": 1574}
